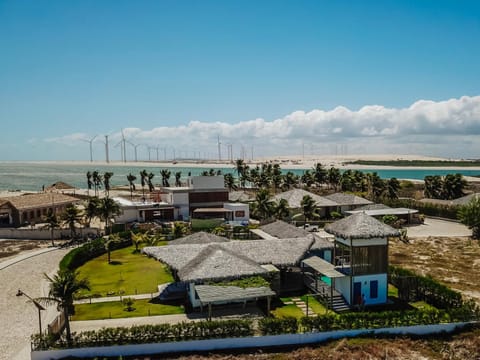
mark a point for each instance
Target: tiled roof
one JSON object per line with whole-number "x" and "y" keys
{"x": 33, "y": 201}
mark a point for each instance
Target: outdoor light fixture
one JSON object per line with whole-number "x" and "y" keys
{"x": 38, "y": 306}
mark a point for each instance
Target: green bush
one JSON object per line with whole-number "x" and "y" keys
{"x": 79, "y": 256}
{"x": 151, "y": 334}
{"x": 275, "y": 326}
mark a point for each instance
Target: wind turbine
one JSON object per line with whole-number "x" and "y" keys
{"x": 123, "y": 150}
{"x": 107, "y": 158}
{"x": 90, "y": 142}
{"x": 219, "y": 148}
{"x": 135, "y": 146}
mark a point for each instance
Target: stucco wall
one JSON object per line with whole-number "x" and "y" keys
{"x": 365, "y": 280}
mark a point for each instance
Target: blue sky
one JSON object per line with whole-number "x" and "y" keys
{"x": 275, "y": 75}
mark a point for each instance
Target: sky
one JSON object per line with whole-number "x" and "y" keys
{"x": 271, "y": 77}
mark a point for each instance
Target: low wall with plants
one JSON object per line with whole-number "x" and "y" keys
{"x": 248, "y": 342}
{"x": 80, "y": 255}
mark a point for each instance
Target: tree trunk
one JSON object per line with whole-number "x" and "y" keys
{"x": 67, "y": 325}
{"x": 51, "y": 237}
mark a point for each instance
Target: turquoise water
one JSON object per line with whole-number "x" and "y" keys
{"x": 31, "y": 176}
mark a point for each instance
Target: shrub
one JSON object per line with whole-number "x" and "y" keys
{"x": 274, "y": 326}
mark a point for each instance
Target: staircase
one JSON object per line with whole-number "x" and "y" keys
{"x": 338, "y": 303}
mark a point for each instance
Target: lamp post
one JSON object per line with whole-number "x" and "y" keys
{"x": 38, "y": 306}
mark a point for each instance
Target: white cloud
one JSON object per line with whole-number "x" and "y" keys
{"x": 423, "y": 125}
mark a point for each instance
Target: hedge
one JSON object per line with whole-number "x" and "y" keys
{"x": 150, "y": 334}
{"x": 79, "y": 256}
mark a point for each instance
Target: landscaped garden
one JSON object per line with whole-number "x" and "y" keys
{"x": 117, "y": 309}
{"x": 128, "y": 273}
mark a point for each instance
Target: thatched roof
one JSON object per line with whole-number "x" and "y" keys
{"x": 40, "y": 200}
{"x": 279, "y": 252}
{"x": 60, "y": 185}
{"x": 281, "y": 229}
{"x": 360, "y": 226}
{"x": 373, "y": 207}
{"x": 201, "y": 237}
{"x": 240, "y": 196}
{"x": 295, "y": 196}
{"x": 343, "y": 199}
{"x": 464, "y": 200}
{"x": 214, "y": 262}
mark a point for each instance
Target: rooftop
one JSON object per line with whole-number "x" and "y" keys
{"x": 344, "y": 199}
{"x": 361, "y": 226}
{"x": 294, "y": 198}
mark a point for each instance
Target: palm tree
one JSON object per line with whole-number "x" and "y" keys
{"x": 97, "y": 181}
{"x": 282, "y": 210}
{"x": 63, "y": 287}
{"x": 150, "y": 183}
{"x": 143, "y": 180}
{"x": 165, "y": 176}
{"x": 289, "y": 180}
{"x": 178, "y": 230}
{"x": 137, "y": 239}
{"x": 91, "y": 209}
{"x": 239, "y": 167}
{"x": 71, "y": 217}
{"x": 376, "y": 186}
{"x": 264, "y": 207}
{"x": 307, "y": 178}
{"x": 89, "y": 182}
{"x": 178, "y": 176}
{"x": 109, "y": 241}
{"x": 106, "y": 181}
{"x": 229, "y": 181}
{"x": 131, "y": 182}
{"x": 432, "y": 187}
{"x": 333, "y": 177}
{"x": 52, "y": 223}
{"x": 107, "y": 209}
{"x": 319, "y": 174}
{"x": 453, "y": 186}
{"x": 392, "y": 187}
{"x": 469, "y": 215}
{"x": 309, "y": 208}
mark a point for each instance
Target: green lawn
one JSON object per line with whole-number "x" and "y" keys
{"x": 116, "y": 310}
{"x": 315, "y": 305}
{"x": 422, "y": 305}
{"x": 287, "y": 311}
{"x": 392, "y": 291}
{"x": 128, "y": 273}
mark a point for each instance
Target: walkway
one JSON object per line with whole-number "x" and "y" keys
{"x": 437, "y": 227}
{"x": 27, "y": 255}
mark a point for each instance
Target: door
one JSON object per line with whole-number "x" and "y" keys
{"x": 357, "y": 293}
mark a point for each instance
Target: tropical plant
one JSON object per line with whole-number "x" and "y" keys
{"x": 333, "y": 177}
{"x": 143, "y": 180}
{"x": 165, "y": 177}
{"x": 106, "y": 181}
{"x": 178, "y": 176}
{"x": 91, "y": 210}
{"x": 469, "y": 215}
{"x": 320, "y": 174}
{"x": 309, "y": 208}
{"x": 89, "y": 182}
{"x": 137, "y": 239}
{"x": 109, "y": 242}
{"x": 263, "y": 207}
{"x": 63, "y": 287}
{"x": 289, "y": 180}
{"x": 392, "y": 187}
{"x": 178, "y": 230}
{"x": 453, "y": 186}
{"x": 282, "y": 210}
{"x": 229, "y": 181}
{"x": 107, "y": 208}
{"x": 151, "y": 187}
{"x": 71, "y": 217}
{"x": 131, "y": 182}
{"x": 97, "y": 181}
{"x": 52, "y": 223}
{"x": 128, "y": 303}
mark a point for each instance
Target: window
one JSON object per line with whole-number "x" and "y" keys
{"x": 239, "y": 213}
{"x": 373, "y": 289}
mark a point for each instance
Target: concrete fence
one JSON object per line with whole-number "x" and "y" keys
{"x": 43, "y": 234}
{"x": 240, "y": 343}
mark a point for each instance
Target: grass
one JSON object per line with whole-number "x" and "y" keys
{"x": 317, "y": 307}
{"x": 128, "y": 273}
{"x": 422, "y": 305}
{"x": 392, "y": 291}
{"x": 288, "y": 311}
{"x": 116, "y": 310}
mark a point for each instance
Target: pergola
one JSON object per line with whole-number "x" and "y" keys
{"x": 210, "y": 295}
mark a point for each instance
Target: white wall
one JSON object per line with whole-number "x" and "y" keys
{"x": 207, "y": 182}
{"x": 128, "y": 215}
{"x": 382, "y": 288}
{"x": 239, "y": 343}
{"x": 342, "y": 285}
{"x": 42, "y": 234}
{"x": 238, "y": 207}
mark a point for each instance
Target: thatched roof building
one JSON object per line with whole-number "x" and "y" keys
{"x": 361, "y": 226}
{"x": 295, "y": 196}
{"x": 343, "y": 199}
{"x": 59, "y": 186}
{"x": 192, "y": 260}
{"x": 201, "y": 237}
{"x": 280, "y": 229}
{"x": 215, "y": 262}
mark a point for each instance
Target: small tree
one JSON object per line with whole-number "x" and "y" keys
{"x": 109, "y": 241}
{"x": 469, "y": 215}
{"x": 128, "y": 303}
{"x": 137, "y": 239}
{"x": 71, "y": 217}
{"x": 52, "y": 223}
{"x": 63, "y": 287}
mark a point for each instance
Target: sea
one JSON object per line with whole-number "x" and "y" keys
{"x": 32, "y": 176}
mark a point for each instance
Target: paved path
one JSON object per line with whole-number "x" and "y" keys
{"x": 27, "y": 255}
{"x": 436, "y": 227}
{"x": 19, "y": 318}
